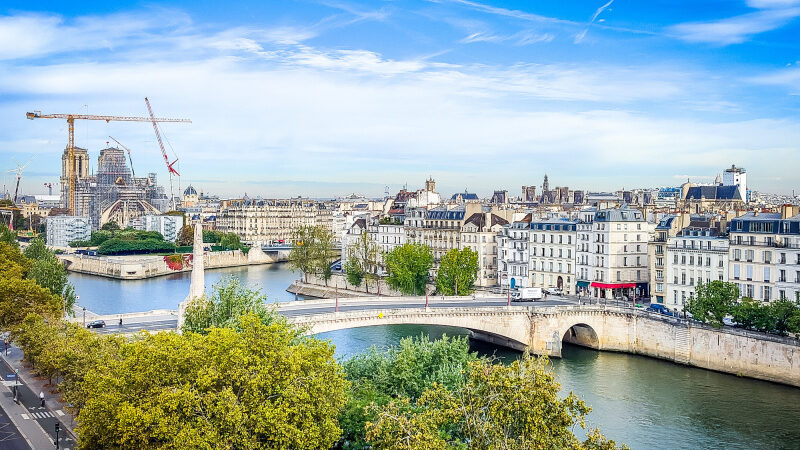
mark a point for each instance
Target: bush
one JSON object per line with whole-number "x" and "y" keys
{"x": 116, "y": 246}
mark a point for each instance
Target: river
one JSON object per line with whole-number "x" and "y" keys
{"x": 643, "y": 402}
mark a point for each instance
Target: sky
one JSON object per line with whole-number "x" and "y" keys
{"x": 332, "y": 97}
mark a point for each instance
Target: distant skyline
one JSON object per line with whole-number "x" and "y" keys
{"x": 326, "y": 98}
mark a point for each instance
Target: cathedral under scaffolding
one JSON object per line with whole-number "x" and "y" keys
{"x": 113, "y": 193}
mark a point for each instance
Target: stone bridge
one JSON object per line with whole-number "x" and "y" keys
{"x": 543, "y": 329}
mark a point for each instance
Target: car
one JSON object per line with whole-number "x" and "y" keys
{"x": 96, "y": 324}
{"x": 657, "y": 308}
{"x": 557, "y": 291}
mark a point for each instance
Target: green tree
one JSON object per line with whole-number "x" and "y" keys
{"x": 110, "y": 226}
{"x": 20, "y": 297}
{"x": 364, "y": 252}
{"x": 212, "y": 236}
{"x": 408, "y": 266}
{"x": 230, "y": 241}
{"x": 782, "y": 312}
{"x": 7, "y": 236}
{"x": 259, "y": 388}
{"x": 457, "y": 272}
{"x": 324, "y": 252}
{"x": 13, "y": 264}
{"x": 515, "y": 406}
{"x": 186, "y": 236}
{"x": 406, "y": 370}
{"x": 749, "y": 313}
{"x": 353, "y": 272}
{"x": 713, "y": 301}
{"x": 303, "y": 255}
{"x": 37, "y": 250}
{"x": 229, "y": 301}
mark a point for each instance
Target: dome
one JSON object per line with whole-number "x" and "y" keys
{"x": 190, "y": 191}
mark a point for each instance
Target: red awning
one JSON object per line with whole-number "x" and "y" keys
{"x": 613, "y": 285}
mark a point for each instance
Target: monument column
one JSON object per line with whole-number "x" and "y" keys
{"x": 197, "y": 288}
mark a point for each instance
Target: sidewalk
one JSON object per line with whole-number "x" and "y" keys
{"x": 35, "y": 422}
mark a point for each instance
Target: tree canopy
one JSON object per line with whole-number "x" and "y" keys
{"x": 362, "y": 260}
{"x": 408, "y": 266}
{"x": 457, "y": 272}
{"x": 229, "y": 301}
{"x": 257, "y": 388}
{"x": 713, "y": 301}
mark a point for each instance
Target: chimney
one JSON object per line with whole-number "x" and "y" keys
{"x": 788, "y": 210}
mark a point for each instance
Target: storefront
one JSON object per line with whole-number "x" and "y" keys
{"x": 626, "y": 291}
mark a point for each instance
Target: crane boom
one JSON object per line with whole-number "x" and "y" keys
{"x": 71, "y": 204}
{"x": 133, "y": 173}
{"x": 170, "y": 170}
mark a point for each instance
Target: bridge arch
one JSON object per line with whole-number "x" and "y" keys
{"x": 583, "y": 335}
{"x": 511, "y": 329}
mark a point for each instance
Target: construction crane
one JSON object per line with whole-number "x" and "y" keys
{"x": 18, "y": 172}
{"x": 170, "y": 170}
{"x": 49, "y": 187}
{"x": 133, "y": 174}
{"x": 71, "y": 118}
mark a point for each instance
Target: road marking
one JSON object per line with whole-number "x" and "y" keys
{"x": 59, "y": 412}
{"x": 25, "y": 416}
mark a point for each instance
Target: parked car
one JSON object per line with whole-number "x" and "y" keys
{"x": 527, "y": 294}
{"x": 556, "y": 291}
{"x": 657, "y": 308}
{"x": 96, "y": 324}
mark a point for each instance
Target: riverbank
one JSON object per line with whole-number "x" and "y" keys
{"x": 138, "y": 267}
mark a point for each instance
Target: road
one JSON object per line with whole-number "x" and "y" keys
{"x": 34, "y": 413}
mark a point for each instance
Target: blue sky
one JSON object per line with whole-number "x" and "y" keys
{"x": 323, "y": 98}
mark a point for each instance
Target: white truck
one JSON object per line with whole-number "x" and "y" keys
{"x": 527, "y": 294}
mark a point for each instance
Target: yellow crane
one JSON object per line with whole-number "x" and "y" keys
{"x": 71, "y": 118}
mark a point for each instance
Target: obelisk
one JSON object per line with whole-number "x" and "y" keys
{"x": 197, "y": 288}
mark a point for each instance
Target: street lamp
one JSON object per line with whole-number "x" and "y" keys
{"x": 58, "y": 428}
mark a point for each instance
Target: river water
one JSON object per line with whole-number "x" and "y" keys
{"x": 643, "y": 402}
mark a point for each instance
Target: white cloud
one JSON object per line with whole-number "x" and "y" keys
{"x": 270, "y": 109}
{"x": 764, "y": 4}
{"x": 735, "y": 30}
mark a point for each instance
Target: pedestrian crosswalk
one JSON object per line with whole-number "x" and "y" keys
{"x": 37, "y": 415}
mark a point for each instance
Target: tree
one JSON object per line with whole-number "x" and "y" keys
{"x": 303, "y": 253}
{"x": 20, "y": 297}
{"x": 517, "y": 406}
{"x": 110, "y": 226}
{"x": 229, "y": 301}
{"x": 324, "y": 252}
{"x": 230, "y": 241}
{"x": 782, "y": 312}
{"x": 749, "y": 313}
{"x": 13, "y": 264}
{"x": 408, "y": 266}
{"x": 212, "y": 236}
{"x": 37, "y": 250}
{"x": 186, "y": 236}
{"x": 259, "y": 388}
{"x": 406, "y": 370}
{"x": 7, "y": 236}
{"x": 457, "y": 272}
{"x": 353, "y": 272}
{"x": 713, "y": 301}
{"x": 364, "y": 251}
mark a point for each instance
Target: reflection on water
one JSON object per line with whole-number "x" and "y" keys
{"x": 643, "y": 402}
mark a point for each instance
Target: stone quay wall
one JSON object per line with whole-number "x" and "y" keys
{"x": 122, "y": 268}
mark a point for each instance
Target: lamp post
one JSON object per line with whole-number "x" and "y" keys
{"x": 58, "y": 428}
{"x": 84, "y": 316}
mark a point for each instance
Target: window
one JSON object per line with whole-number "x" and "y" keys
{"x": 619, "y": 276}
{"x": 638, "y": 275}
{"x": 749, "y": 270}
{"x": 767, "y": 257}
{"x": 736, "y": 271}
{"x": 767, "y": 293}
{"x": 766, "y": 274}
{"x": 683, "y": 278}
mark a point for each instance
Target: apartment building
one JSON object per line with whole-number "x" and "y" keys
{"x": 479, "y": 233}
{"x": 583, "y": 251}
{"x": 438, "y": 228}
{"x": 694, "y": 255}
{"x": 618, "y": 246}
{"x": 169, "y": 226}
{"x": 553, "y": 247}
{"x": 514, "y": 253}
{"x": 268, "y": 221}
{"x": 669, "y": 226}
{"x": 761, "y": 245}
{"x": 61, "y": 230}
